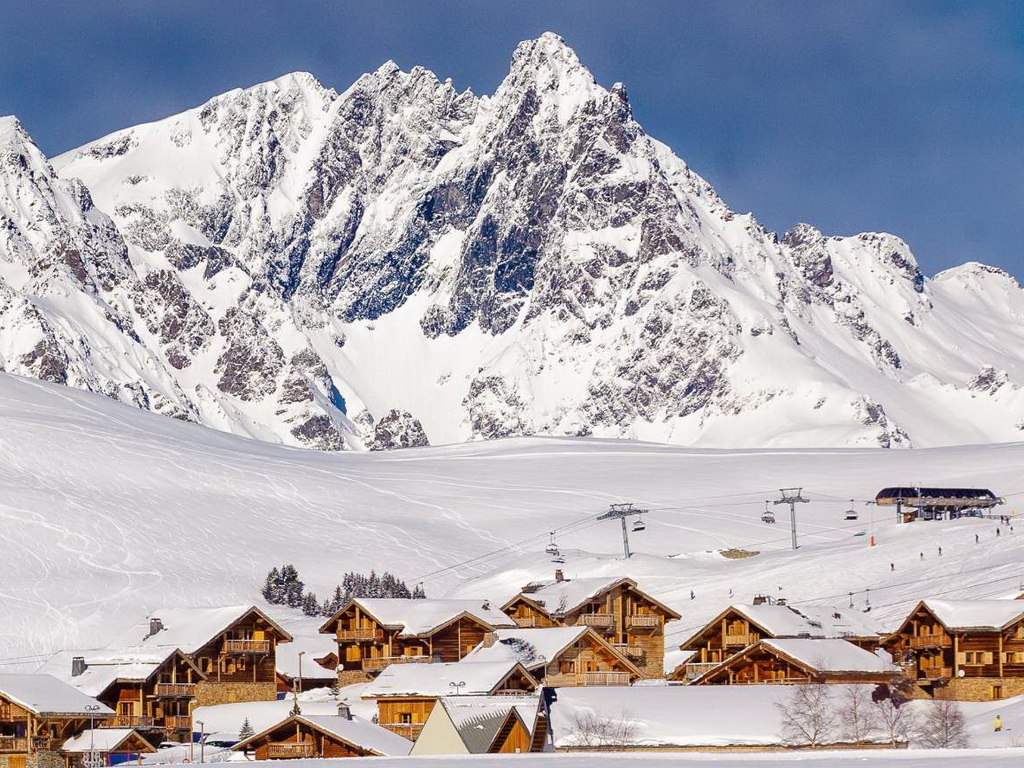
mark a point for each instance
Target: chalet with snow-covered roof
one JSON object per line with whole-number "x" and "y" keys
{"x": 632, "y": 621}
{"x": 115, "y": 745}
{"x": 151, "y": 690}
{"x": 374, "y": 633}
{"x": 800, "y": 660}
{"x": 558, "y": 656}
{"x": 740, "y": 626}
{"x": 969, "y": 650}
{"x": 38, "y": 714}
{"x": 318, "y": 736}
{"x": 406, "y": 693}
{"x": 479, "y": 725}
{"x": 234, "y": 647}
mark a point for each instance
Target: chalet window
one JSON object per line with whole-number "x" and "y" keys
{"x": 206, "y": 664}
{"x": 997, "y": 691}
{"x": 405, "y": 717}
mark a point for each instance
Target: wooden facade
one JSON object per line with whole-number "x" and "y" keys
{"x": 513, "y": 737}
{"x": 629, "y": 619}
{"x": 762, "y": 664}
{"x": 969, "y": 664}
{"x": 30, "y": 738}
{"x": 588, "y": 661}
{"x": 366, "y": 645}
{"x": 298, "y": 738}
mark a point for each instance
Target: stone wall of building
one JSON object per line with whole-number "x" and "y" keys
{"x": 981, "y": 688}
{"x": 210, "y": 693}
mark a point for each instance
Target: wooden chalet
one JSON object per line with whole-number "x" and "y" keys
{"x": 318, "y": 736}
{"x": 374, "y": 633}
{"x": 38, "y": 714}
{"x": 115, "y": 745}
{"x": 234, "y": 647}
{"x": 632, "y": 621}
{"x": 969, "y": 650}
{"x": 477, "y": 725}
{"x": 793, "y": 661}
{"x": 151, "y": 690}
{"x": 740, "y": 626}
{"x": 406, "y": 693}
{"x": 560, "y": 656}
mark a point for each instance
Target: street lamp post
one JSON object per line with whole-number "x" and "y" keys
{"x": 202, "y": 740}
{"x": 301, "y": 654}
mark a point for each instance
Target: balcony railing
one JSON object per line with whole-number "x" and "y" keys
{"x": 630, "y": 650}
{"x": 360, "y": 633}
{"x": 176, "y": 690}
{"x": 693, "y": 671}
{"x": 527, "y": 621}
{"x": 600, "y": 620}
{"x": 411, "y": 731}
{"x": 127, "y": 721}
{"x": 13, "y": 744}
{"x": 643, "y": 621}
{"x": 178, "y": 722}
{"x": 291, "y": 749}
{"x": 247, "y": 646}
{"x": 602, "y": 678}
{"x": 935, "y": 673}
{"x": 742, "y": 640}
{"x": 379, "y": 662}
{"x": 930, "y": 641}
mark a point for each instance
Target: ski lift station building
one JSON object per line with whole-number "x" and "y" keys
{"x": 916, "y": 503}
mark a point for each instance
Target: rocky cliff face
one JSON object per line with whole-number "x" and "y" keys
{"x": 402, "y": 262}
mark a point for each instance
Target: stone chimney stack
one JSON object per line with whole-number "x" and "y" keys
{"x": 155, "y": 625}
{"x": 490, "y": 638}
{"x": 78, "y": 665}
{"x": 559, "y": 576}
{"x": 344, "y": 711}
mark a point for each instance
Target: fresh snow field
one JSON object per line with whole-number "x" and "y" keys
{"x": 108, "y": 511}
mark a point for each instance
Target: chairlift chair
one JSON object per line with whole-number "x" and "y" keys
{"x": 767, "y": 516}
{"x": 639, "y": 525}
{"x": 851, "y": 513}
{"x": 551, "y": 548}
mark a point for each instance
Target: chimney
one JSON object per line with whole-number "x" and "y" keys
{"x": 559, "y": 576}
{"x": 490, "y": 638}
{"x": 155, "y": 625}
{"x": 344, "y": 711}
{"x": 78, "y": 665}
{"x": 486, "y": 606}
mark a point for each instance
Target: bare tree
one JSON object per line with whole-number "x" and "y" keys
{"x": 593, "y": 729}
{"x": 858, "y": 717}
{"x": 943, "y": 725}
{"x": 808, "y": 717}
{"x": 895, "y": 719}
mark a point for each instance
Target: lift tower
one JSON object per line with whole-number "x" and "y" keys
{"x": 792, "y": 496}
{"x": 621, "y": 512}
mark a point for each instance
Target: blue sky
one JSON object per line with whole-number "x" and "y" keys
{"x": 902, "y": 117}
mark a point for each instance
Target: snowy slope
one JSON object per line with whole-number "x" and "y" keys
{"x": 400, "y": 263}
{"x": 108, "y": 511}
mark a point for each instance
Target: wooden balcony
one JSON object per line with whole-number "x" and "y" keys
{"x": 643, "y": 621}
{"x": 630, "y": 650}
{"x": 602, "y": 678}
{"x": 740, "y": 641}
{"x": 175, "y": 690}
{"x": 380, "y": 662}
{"x": 360, "y": 634}
{"x": 934, "y": 673}
{"x": 410, "y": 731}
{"x": 930, "y": 641}
{"x": 597, "y": 620}
{"x": 13, "y": 744}
{"x": 177, "y": 722}
{"x": 693, "y": 671}
{"x": 127, "y": 721}
{"x": 284, "y": 750}
{"x": 247, "y": 646}
{"x": 527, "y": 622}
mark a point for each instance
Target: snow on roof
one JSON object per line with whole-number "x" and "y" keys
{"x": 674, "y": 716}
{"x": 420, "y": 617}
{"x": 530, "y": 647}
{"x": 306, "y": 637}
{"x": 360, "y": 732}
{"x": 100, "y": 739}
{"x": 186, "y": 628}
{"x": 105, "y": 665}
{"x": 976, "y": 614}
{"x": 560, "y": 597}
{"x": 478, "y": 718}
{"x": 480, "y": 678}
{"x": 46, "y": 695}
{"x": 809, "y": 621}
{"x": 830, "y": 655}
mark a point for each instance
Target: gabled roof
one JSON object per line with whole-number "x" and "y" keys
{"x": 193, "y": 628}
{"x": 560, "y": 597}
{"x": 420, "y": 617}
{"x": 357, "y": 731}
{"x": 810, "y": 621}
{"x": 967, "y": 615}
{"x": 108, "y": 740}
{"x": 105, "y": 666}
{"x": 481, "y": 678}
{"x": 46, "y": 695}
{"x": 536, "y": 647}
{"x": 479, "y": 719}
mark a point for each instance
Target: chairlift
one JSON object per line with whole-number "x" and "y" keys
{"x": 767, "y": 516}
{"x": 639, "y": 525}
{"x": 552, "y": 548}
{"x": 851, "y": 513}
{"x": 559, "y": 558}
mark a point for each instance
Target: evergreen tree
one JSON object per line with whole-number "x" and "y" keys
{"x": 272, "y": 587}
{"x": 310, "y": 605}
{"x": 247, "y": 730}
